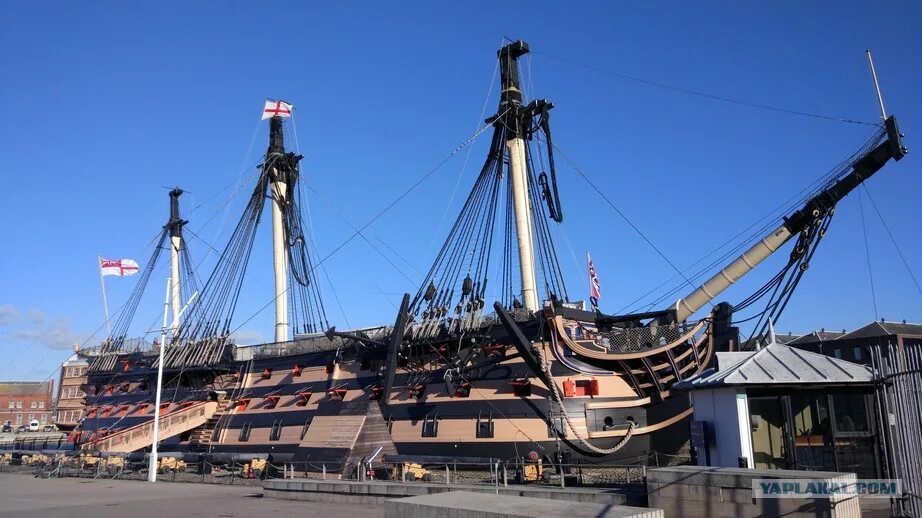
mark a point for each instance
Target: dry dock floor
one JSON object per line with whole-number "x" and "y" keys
{"x": 22, "y": 495}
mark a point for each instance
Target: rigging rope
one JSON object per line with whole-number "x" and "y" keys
{"x": 555, "y": 391}
{"x": 379, "y": 214}
{"x": 893, "y": 240}
{"x": 623, "y": 216}
{"x": 770, "y": 219}
{"x": 867, "y": 253}
{"x": 706, "y": 95}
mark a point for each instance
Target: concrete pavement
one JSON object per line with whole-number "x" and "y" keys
{"x": 26, "y": 496}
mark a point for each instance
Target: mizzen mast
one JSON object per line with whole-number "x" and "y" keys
{"x": 174, "y": 226}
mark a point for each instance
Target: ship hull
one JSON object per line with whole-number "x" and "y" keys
{"x": 329, "y": 406}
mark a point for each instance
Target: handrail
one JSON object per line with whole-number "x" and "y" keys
{"x": 600, "y": 355}
{"x": 171, "y": 424}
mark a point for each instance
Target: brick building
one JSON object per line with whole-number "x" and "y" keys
{"x": 23, "y": 401}
{"x": 71, "y": 400}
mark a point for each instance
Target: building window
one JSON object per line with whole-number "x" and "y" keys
{"x": 41, "y": 405}
{"x": 18, "y": 418}
{"x": 431, "y": 425}
{"x": 44, "y": 418}
{"x": 245, "y": 432}
{"x": 19, "y": 404}
{"x": 484, "y": 427}
{"x": 276, "y": 432}
{"x": 307, "y": 424}
{"x": 34, "y": 405}
{"x": 12, "y": 404}
{"x": 859, "y": 353}
{"x": 838, "y": 354}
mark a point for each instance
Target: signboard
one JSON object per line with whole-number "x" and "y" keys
{"x": 699, "y": 441}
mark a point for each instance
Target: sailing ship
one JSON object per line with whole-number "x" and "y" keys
{"x": 456, "y": 375}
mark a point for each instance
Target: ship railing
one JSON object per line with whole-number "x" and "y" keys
{"x": 298, "y": 346}
{"x": 451, "y": 324}
{"x": 639, "y": 339}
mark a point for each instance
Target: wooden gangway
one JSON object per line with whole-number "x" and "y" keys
{"x": 140, "y": 436}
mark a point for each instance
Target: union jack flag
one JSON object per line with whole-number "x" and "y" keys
{"x": 595, "y": 293}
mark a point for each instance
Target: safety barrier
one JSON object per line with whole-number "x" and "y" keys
{"x": 492, "y": 472}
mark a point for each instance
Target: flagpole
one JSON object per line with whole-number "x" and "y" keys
{"x": 589, "y": 276}
{"x": 152, "y": 463}
{"x": 155, "y": 438}
{"x": 105, "y": 304}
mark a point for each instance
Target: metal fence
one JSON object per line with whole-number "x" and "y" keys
{"x": 493, "y": 472}
{"x": 899, "y": 400}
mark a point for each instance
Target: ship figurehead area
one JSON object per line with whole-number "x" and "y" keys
{"x": 489, "y": 358}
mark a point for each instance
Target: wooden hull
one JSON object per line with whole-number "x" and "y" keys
{"x": 323, "y": 407}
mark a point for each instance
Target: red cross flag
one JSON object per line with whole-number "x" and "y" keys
{"x": 276, "y": 109}
{"x": 120, "y": 267}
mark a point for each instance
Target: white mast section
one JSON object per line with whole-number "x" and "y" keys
{"x": 279, "y": 194}
{"x": 175, "y": 227}
{"x": 175, "y": 244}
{"x": 518, "y": 175}
{"x": 279, "y": 258}
{"x": 512, "y": 116}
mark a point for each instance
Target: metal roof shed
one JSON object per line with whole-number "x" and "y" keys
{"x": 774, "y": 407}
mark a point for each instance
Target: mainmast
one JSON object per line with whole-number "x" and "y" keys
{"x": 509, "y": 189}
{"x": 279, "y": 190}
{"x": 174, "y": 226}
{"x": 513, "y": 117}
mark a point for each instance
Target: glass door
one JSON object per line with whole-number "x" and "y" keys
{"x": 769, "y": 447}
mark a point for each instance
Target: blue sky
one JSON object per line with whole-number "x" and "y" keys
{"x": 105, "y": 104}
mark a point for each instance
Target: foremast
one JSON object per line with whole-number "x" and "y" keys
{"x": 279, "y": 190}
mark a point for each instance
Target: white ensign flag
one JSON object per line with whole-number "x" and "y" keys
{"x": 276, "y": 109}
{"x": 120, "y": 267}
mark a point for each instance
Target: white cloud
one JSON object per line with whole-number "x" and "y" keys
{"x": 55, "y": 334}
{"x": 37, "y": 316}
{"x": 8, "y": 314}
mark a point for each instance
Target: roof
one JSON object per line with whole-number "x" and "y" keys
{"x": 75, "y": 359}
{"x": 875, "y": 329}
{"x": 870, "y": 330}
{"x": 25, "y": 388}
{"x": 816, "y": 336}
{"x": 777, "y": 364}
{"x": 761, "y": 338}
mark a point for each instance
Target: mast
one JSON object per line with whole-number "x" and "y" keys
{"x": 279, "y": 189}
{"x": 513, "y": 117}
{"x": 175, "y": 227}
